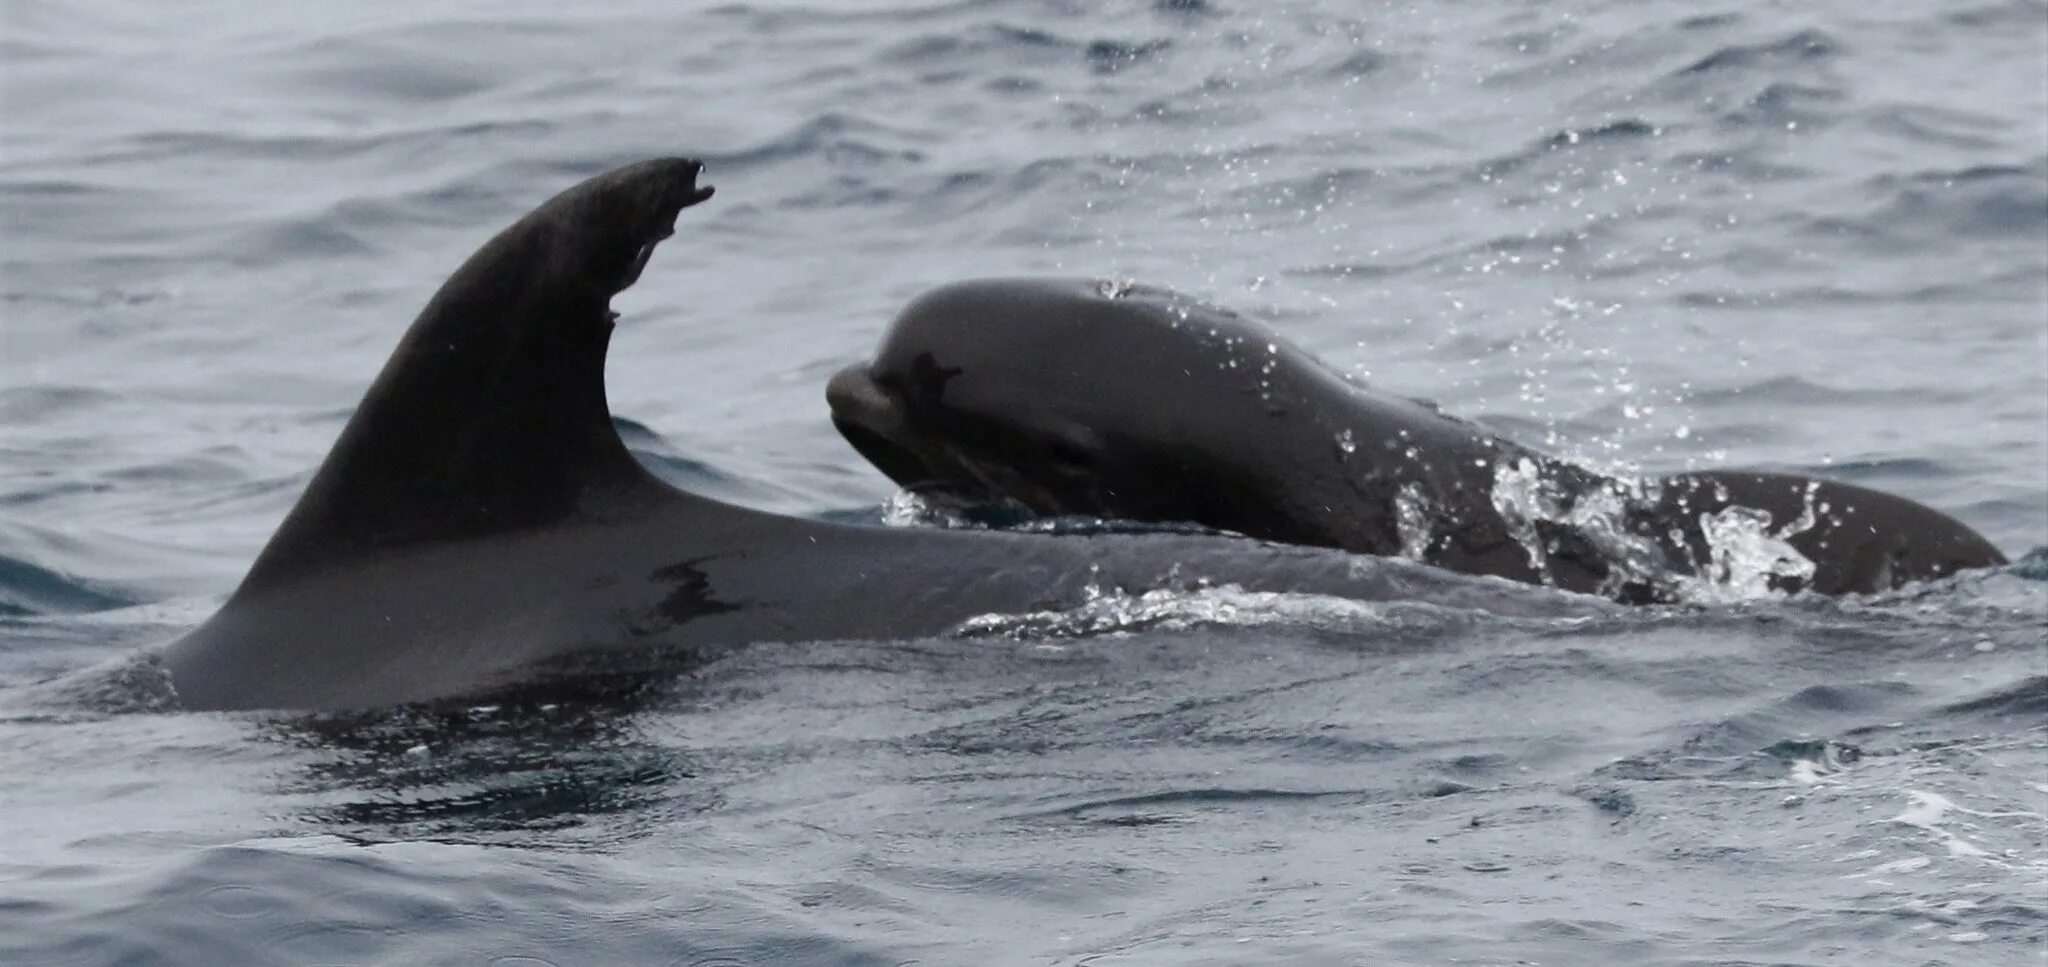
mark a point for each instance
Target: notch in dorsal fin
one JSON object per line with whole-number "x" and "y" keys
{"x": 490, "y": 416}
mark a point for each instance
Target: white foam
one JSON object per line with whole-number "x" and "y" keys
{"x": 1112, "y": 610}
{"x": 1931, "y": 811}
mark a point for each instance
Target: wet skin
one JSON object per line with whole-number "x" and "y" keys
{"x": 479, "y": 525}
{"x": 1073, "y": 396}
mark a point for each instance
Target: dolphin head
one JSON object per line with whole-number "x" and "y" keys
{"x": 1069, "y": 397}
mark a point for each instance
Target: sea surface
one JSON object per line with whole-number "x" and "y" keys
{"x": 1649, "y": 235}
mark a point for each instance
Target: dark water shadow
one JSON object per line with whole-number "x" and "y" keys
{"x": 566, "y": 758}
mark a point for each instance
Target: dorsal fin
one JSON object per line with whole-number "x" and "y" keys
{"x": 490, "y": 417}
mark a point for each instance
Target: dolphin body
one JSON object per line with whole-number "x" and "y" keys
{"x": 479, "y": 525}
{"x": 1117, "y": 400}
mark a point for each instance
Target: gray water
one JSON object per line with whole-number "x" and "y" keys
{"x": 1647, "y": 235}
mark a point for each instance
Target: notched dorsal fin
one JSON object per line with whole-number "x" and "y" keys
{"x": 490, "y": 416}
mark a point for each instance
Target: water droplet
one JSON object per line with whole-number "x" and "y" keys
{"x": 1115, "y": 288}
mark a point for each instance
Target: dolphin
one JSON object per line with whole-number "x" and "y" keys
{"x": 479, "y": 525}
{"x": 1118, "y": 400}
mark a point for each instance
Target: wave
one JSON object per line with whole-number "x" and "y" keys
{"x": 27, "y": 589}
{"x": 1800, "y": 47}
{"x": 2026, "y": 699}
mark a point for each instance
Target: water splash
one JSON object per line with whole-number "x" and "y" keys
{"x": 1747, "y": 558}
{"x": 1412, "y": 521}
{"x": 906, "y": 508}
{"x": 1745, "y": 554}
{"x": 1115, "y": 287}
{"x": 1522, "y": 495}
{"x": 1110, "y": 610}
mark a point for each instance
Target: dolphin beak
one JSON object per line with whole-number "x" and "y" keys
{"x": 855, "y": 396}
{"x": 873, "y": 421}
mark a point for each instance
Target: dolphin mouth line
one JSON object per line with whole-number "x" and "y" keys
{"x": 918, "y": 476}
{"x": 897, "y": 460}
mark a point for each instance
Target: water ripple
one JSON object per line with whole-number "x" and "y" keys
{"x": 1805, "y": 238}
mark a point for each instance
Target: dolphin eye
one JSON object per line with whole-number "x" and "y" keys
{"x": 1068, "y": 457}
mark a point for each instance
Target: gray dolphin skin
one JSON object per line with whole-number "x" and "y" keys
{"x": 1108, "y": 399}
{"x": 479, "y": 525}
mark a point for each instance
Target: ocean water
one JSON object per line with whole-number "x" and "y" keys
{"x": 1649, "y": 235}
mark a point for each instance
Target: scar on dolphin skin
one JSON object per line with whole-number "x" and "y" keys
{"x": 691, "y": 599}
